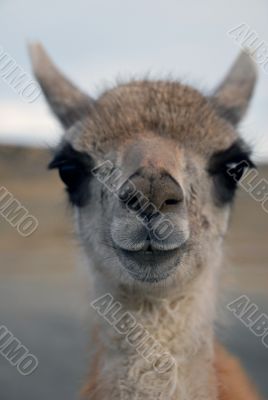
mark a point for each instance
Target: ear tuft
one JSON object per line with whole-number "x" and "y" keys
{"x": 232, "y": 97}
{"x": 65, "y": 99}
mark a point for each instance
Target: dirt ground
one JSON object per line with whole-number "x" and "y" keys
{"x": 42, "y": 300}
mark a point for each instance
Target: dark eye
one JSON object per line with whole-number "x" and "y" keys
{"x": 72, "y": 175}
{"x": 74, "y": 170}
{"x": 226, "y": 169}
{"x": 226, "y": 180}
{"x": 235, "y": 170}
{"x": 76, "y": 179}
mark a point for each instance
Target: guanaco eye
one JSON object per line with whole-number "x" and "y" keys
{"x": 74, "y": 170}
{"x": 235, "y": 169}
{"x": 227, "y": 168}
{"x": 72, "y": 175}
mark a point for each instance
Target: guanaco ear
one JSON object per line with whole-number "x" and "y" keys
{"x": 233, "y": 95}
{"x": 66, "y": 100}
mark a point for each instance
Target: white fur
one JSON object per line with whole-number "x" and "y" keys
{"x": 183, "y": 325}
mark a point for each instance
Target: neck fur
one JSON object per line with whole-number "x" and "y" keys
{"x": 174, "y": 363}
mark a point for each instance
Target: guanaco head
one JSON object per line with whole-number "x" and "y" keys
{"x": 151, "y": 169}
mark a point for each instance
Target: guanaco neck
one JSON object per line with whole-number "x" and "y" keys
{"x": 175, "y": 362}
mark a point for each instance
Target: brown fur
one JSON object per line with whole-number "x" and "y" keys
{"x": 232, "y": 380}
{"x": 91, "y": 388}
{"x": 168, "y": 109}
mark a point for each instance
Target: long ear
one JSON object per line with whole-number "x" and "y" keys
{"x": 67, "y": 101}
{"x": 233, "y": 95}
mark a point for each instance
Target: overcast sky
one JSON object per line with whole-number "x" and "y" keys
{"x": 94, "y": 42}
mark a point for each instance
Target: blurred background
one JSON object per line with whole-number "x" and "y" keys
{"x": 42, "y": 299}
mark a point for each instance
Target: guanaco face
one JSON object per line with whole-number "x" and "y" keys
{"x": 151, "y": 169}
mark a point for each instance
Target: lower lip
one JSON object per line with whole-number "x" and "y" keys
{"x": 150, "y": 267}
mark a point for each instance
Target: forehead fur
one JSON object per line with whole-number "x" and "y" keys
{"x": 168, "y": 109}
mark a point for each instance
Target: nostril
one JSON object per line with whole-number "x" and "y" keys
{"x": 170, "y": 202}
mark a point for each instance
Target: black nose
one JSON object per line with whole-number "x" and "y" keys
{"x": 147, "y": 191}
